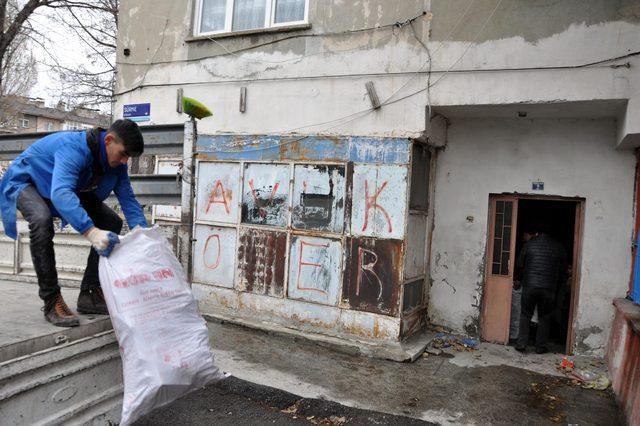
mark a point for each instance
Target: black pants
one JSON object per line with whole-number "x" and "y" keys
{"x": 545, "y": 301}
{"x": 36, "y": 212}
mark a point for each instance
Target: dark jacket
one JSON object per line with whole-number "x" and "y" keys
{"x": 543, "y": 261}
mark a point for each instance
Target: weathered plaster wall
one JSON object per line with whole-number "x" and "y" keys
{"x": 575, "y": 158}
{"x": 526, "y": 43}
{"x": 307, "y": 79}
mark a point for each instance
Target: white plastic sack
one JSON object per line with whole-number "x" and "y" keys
{"x": 163, "y": 340}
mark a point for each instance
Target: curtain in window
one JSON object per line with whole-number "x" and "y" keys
{"x": 289, "y": 11}
{"x": 213, "y": 15}
{"x": 249, "y": 14}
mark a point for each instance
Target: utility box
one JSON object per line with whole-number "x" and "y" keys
{"x": 320, "y": 234}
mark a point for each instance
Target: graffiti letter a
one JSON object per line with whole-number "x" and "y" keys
{"x": 213, "y": 197}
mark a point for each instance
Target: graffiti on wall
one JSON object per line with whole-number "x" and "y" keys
{"x": 379, "y": 201}
{"x": 218, "y": 186}
{"x": 215, "y": 251}
{"x": 261, "y": 261}
{"x": 265, "y": 195}
{"x": 314, "y": 269}
{"x": 372, "y": 278}
{"x": 318, "y": 197}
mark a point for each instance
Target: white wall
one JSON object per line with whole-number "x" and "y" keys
{"x": 574, "y": 158}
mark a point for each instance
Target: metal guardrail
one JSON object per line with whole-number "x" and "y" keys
{"x": 149, "y": 189}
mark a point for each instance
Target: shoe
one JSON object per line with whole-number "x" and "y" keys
{"x": 58, "y": 313}
{"x": 92, "y": 302}
{"x": 542, "y": 350}
{"x": 521, "y": 348}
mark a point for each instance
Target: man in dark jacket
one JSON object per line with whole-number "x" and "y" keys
{"x": 543, "y": 261}
{"x": 69, "y": 175}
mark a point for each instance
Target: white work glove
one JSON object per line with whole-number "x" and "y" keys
{"x": 102, "y": 241}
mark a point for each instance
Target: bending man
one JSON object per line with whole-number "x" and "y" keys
{"x": 69, "y": 175}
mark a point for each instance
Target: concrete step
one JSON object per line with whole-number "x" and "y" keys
{"x": 79, "y": 382}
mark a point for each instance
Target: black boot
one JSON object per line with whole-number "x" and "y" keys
{"x": 58, "y": 313}
{"x": 92, "y": 302}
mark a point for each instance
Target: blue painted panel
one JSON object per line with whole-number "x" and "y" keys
{"x": 635, "y": 293}
{"x": 380, "y": 150}
{"x": 310, "y": 148}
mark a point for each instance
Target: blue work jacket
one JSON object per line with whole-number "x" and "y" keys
{"x": 59, "y": 166}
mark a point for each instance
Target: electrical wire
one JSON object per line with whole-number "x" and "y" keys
{"x": 395, "y": 25}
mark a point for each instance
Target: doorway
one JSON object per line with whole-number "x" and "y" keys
{"x": 512, "y": 219}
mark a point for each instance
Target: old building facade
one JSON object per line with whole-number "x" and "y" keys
{"x": 437, "y": 130}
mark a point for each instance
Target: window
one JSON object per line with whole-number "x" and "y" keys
{"x": 24, "y": 122}
{"x": 223, "y": 16}
{"x": 48, "y": 127}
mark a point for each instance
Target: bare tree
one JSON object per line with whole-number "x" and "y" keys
{"x": 90, "y": 83}
{"x": 18, "y": 67}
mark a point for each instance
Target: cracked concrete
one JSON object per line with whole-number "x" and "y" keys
{"x": 494, "y": 385}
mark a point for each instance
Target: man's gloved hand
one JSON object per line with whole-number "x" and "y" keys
{"x": 102, "y": 241}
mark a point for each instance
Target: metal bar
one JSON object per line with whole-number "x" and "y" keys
{"x": 187, "y": 195}
{"x": 160, "y": 139}
{"x": 154, "y": 189}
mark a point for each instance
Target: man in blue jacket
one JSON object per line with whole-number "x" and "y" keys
{"x": 69, "y": 175}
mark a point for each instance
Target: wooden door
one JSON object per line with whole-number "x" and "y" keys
{"x": 496, "y": 308}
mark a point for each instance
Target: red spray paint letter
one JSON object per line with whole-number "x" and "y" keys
{"x": 261, "y": 210}
{"x": 371, "y": 201}
{"x": 214, "y": 200}
{"x": 301, "y": 263}
{"x": 204, "y": 253}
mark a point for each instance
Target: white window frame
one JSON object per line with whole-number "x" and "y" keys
{"x": 24, "y": 123}
{"x": 269, "y": 19}
{"x": 48, "y": 127}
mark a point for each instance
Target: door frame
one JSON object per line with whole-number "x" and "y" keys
{"x": 578, "y": 231}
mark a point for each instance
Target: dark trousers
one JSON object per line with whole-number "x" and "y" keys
{"x": 36, "y": 211}
{"x": 545, "y": 301}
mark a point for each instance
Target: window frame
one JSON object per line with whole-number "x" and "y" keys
{"x": 24, "y": 123}
{"x": 269, "y": 19}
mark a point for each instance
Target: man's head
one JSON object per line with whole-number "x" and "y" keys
{"x": 123, "y": 141}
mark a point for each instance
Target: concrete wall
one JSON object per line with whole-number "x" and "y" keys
{"x": 308, "y": 79}
{"x": 575, "y": 158}
{"x": 531, "y": 48}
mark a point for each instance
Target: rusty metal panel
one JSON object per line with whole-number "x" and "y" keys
{"x": 412, "y": 295}
{"x": 273, "y": 148}
{"x": 414, "y": 258}
{"x": 261, "y": 261}
{"x": 319, "y": 197}
{"x": 379, "y": 201}
{"x": 372, "y": 276}
{"x": 265, "y": 195}
{"x": 214, "y": 255}
{"x": 218, "y": 190}
{"x": 314, "y": 269}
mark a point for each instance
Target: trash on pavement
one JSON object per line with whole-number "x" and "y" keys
{"x": 444, "y": 340}
{"x": 164, "y": 342}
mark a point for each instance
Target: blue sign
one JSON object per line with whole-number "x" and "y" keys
{"x": 137, "y": 112}
{"x": 537, "y": 186}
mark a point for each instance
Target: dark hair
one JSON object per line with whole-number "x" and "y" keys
{"x": 543, "y": 228}
{"x": 129, "y": 133}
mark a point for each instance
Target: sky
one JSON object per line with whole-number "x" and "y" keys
{"x": 64, "y": 45}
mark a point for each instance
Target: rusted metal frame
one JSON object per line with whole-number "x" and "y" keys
{"x": 405, "y": 239}
{"x": 419, "y": 306}
{"x": 575, "y": 275}
{"x": 285, "y": 290}
{"x": 433, "y": 160}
